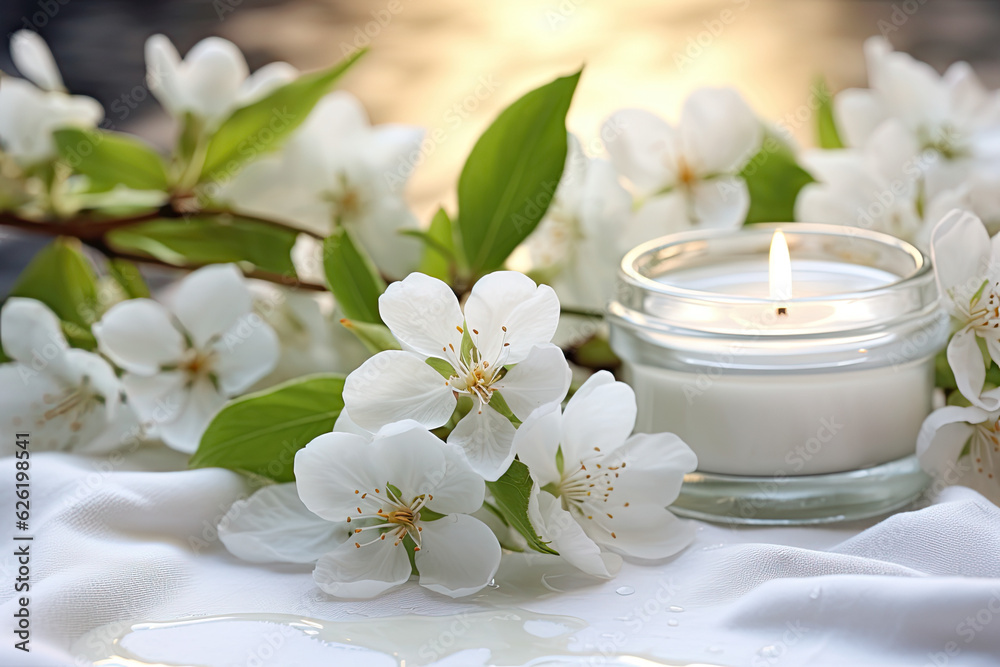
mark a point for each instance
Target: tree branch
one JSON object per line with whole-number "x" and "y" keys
{"x": 92, "y": 233}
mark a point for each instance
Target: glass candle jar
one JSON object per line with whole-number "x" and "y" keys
{"x": 801, "y": 406}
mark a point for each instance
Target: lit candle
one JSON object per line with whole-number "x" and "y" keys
{"x": 777, "y": 354}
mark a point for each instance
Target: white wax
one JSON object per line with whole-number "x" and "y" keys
{"x": 810, "y": 278}
{"x": 787, "y": 424}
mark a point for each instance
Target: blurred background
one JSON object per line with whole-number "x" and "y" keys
{"x": 451, "y": 65}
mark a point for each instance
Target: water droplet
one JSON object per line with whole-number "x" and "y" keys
{"x": 673, "y": 623}
{"x": 493, "y": 584}
{"x": 625, "y": 590}
{"x": 815, "y": 593}
{"x": 714, "y": 649}
{"x": 674, "y": 608}
{"x": 769, "y": 651}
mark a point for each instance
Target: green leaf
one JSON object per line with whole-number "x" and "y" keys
{"x": 979, "y": 293}
{"x": 993, "y": 374}
{"x": 465, "y": 353}
{"x": 441, "y": 366}
{"x": 62, "y": 278}
{"x": 966, "y": 448}
{"x": 499, "y": 403}
{"x": 112, "y": 158}
{"x": 827, "y": 135}
{"x": 127, "y": 275}
{"x": 774, "y": 179}
{"x": 210, "y": 241}
{"x": 512, "y": 173}
{"x": 943, "y": 375}
{"x": 510, "y": 496}
{"x": 261, "y": 127}
{"x": 375, "y": 336}
{"x": 596, "y": 353}
{"x": 260, "y": 433}
{"x": 78, "y": 336}
{"x": 438, "y": 258}
{"x": 352, "y": 277}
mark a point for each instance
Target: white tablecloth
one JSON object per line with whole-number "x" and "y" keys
{"x": 135, "y": 540}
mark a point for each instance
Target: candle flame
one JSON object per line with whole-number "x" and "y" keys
{"x": 779, "y": 269}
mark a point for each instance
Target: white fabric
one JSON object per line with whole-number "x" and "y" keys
{"x": 128, "y": 539}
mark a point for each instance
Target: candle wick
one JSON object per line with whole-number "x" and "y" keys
{"x": 782, "y": 311}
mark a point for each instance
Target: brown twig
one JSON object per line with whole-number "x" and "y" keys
{"x": 92, "y": 232}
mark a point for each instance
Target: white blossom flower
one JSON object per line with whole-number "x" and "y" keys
{"x": 211, "y": 82}
{"x": 404, "y": 478}
{"x": 961, "y": 445}
{"x": 31, "y": 109}
{"x": 506, "y": 328}
{"x": 967, "y": 265}
{"x": 687, "y": 175}
{"x": 952, "y": 115}
{"x": 182, "y": 364}
{"x": 879, "y": 187}
{"x": 578, "y": 245}
{"x": 601, "y": 487}
{"x": 65, "y": 398}
{"x": 337, "y": 170}
{"x": 405, "y": 485}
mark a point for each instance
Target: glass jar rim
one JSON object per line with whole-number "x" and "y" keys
{"x": 628, "y": 271}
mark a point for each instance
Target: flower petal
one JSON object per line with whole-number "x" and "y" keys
{"x": 720, "y": 203}
{"x": 33, "y": 59}
{"x": 31, "y": 333}
{"x": 961, "y": 254}
{"x": 600, "y": 414}
{"x": 352, "y": 572}
{"x": 417, "y": 462}
{"x": 643, "y": 530}
{"x": 643, "y": 149}
{"x": 139, "y": 336}
{"x": 423, "y": 314}
{"x": 273, "y": 525}
{"x": 162, "y": 65}
{"x": 395, "y": 385}
{"x": 458, "y": 555}
{"x": 943, "y": 435}
{"x": 245, "y": 354}
{"x": 156, "y": 398}
{"x": 331, "y": 468}
{"x": 210, "y": 301}
{"x": 537, "y": 441}
{"x": 487, "y": 438}
{"x": 123, "y": 432}
{"x": 508, "y": 307}
{"x": 556, "y": 525}
{"x": 264, "y": 81}
{"x": 656, "y": 216}
{"x": 543, "y": 377}
{"x": 82, "y": 366}
{"x": 379, "y": 229}
{"x": 718, "y": 132}
{"x": 345, "y": 424}
{"x": 858, "y": 112}
{"x": 966, "y": 360}
{"x": 656, "y": 465}
{"x": 460, "y": 489}
{"x": 201, "y": 404}
{"x": 212, "y": 73}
